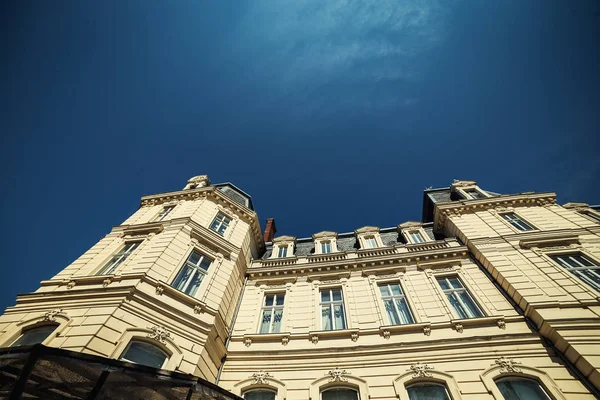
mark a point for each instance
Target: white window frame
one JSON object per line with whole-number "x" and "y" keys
{"x": 164, "y": 212}
{"x": 117, "y": 259}
{"x": 394, "y": 297}
{"x": 370, "y": 242}
{"x": 591, "y": 215}
{"x": 339, "y": 387}
{"x": 324, "y": 244}
{"x": 508, "y": 222}
{"x": 189, "y": 264}
{"x": 282, "y": 251}
{"x": 464, "y": 192}
{"x": 225, "y": 221}
{"x": 331, "y": 303}
{"x": 570, "y": 269}
{"x": 272, "y": 308}
{"x": 464, "y": 288}
{"x": 137, "y": 340}
{"x": 407, "y": 232}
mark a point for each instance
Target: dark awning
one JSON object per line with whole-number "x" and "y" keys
{"x": 40, "y": 372}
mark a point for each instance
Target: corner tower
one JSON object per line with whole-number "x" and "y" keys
{"x": 160, "y": 289}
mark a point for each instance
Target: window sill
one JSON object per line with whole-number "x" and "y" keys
{"x": 387, "y": 330}
{"x": 459, "y": 324}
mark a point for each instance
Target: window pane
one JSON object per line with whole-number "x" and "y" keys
{"x": 337, "y": 294}
{"x": 326, "y": 318}
{"x": 338, "y": 313}
{"x": 280, "y": 298}
{"x": 194, "y": 258}
{"x": 521, "y": 389}
{"x": 266, "y": 321}
{"x": 339, "y": 394}
{"x": 444, "y": 283}
{"x": 259, "y": 395}
{"x": 182, "y": 278}
{"x": 405, "y": 316}
{"x": 590, "y": 276}
{"x": 455, "y": 282}
{"x": 384, "y": 290}
{"x": 269, "y": 300}
{"x": 145, "y": 354}
{"x": 277, "y": 321}
{"x": 470, "y": 306}
{"x": 395, "y": 289}
{"x": 391, "y": 312}
{"x": 453, "y": 298}
{"x": 427, "y": 392}
{"x": 325, "y": 295}
{"x": 34, "y": 336}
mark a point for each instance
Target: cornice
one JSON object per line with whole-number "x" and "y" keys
{"x": 325, "y": 235}
{"x": 433, "y": 255}
{"x": 139, "y": 229}
{"x": 409, "y": 224}
{"x": 443, "y": 211}
{"x": 544, "y": 239}
{"x": 366, "y": 230}
{"x": 284, "y": 239}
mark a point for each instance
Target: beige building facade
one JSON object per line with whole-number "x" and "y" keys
{"x": 490, "y": 296}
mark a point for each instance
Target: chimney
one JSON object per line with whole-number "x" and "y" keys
{"x": 270, "y": 230}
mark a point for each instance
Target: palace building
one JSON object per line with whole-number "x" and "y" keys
{"x": 489, "y": 296}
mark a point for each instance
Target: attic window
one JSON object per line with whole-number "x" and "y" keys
{"x": 473, "y": 193}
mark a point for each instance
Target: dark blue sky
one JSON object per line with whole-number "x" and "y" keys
{"x": 331, "y": 115}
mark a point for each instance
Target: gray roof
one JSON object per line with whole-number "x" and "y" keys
{"x": 348, "y": 242}
{"x": 235, "y": 194}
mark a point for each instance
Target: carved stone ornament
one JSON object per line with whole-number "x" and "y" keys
{"x": 508, "y": 365}
{"x": 459, "y": 328}
{"x": 159, "y": 333}
{"x": 354, "y": 336}
{"x": 427, "y": 330}
{"x": 501, "y": 324}
{"x": 387, "y": 334}
{"x": 260, "y": 377}
{"x": 70, "y": 285}
{"x": 247, "y": 342}
{"x": 160, "y": 289}
{"x": 106, "y": 282}
{"x": 314, "y": 339}
{"x": 285, "y": 340}
{"x": 51, "y": 315}
{"x": 197, "y": 309}
{"x": 421, "y": 370}
{"x": 337, "y": 375}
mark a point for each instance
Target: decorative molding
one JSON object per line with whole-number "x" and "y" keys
{"x": 366, "y": 230}
{"x": 386, "y": 333}
{"x": 501, "y": 324}
{"x": 427, "y": 330}
{"x": 247, "y": 341}
{"x": 550, "y": 241}
{"x": 507, "y": 365}
{"x": 337, "y": 375}
{"x": 284, "y": 240}
{"x": 421, "y": 370}
{"x": 354, "y": 336}
{"x": 314, "y": 339}
{"x": 159, "y": 333}
{"x": 198, "y": 309}
{"x": 260, "y": 377}
{"x": 410, "y": 225}
{"x": 106, "y": 282}
{"x": 71, "y": 285}
{"x": 459, "y": 328}
{"x": 285, "y": 340}
{"x": 160, "y": 289}
{"x": 50, "y": 316}
{"x": 325, "y": 235}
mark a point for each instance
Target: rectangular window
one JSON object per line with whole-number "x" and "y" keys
{"x": 164, "y": 212}
{"x": 325, "y": 247}
{"x": 118, "y": 258}
{"x": 395, "y": 304}
{"x": 272, "y": 313}
{"x": 192, "y": 273}
{"x": 332, "y": 310}
{"x": 459, "y": 297}
{"x": 282, "y": 252}
{"x": 220, "y": 223}
{"x": 517, "y": 222}
{"x": 582, "y": 267}
{"x": 474, "y": 193}
{"x": 370, "y": 242}
{"x": 416, "y": 237}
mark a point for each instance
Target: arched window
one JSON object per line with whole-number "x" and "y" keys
{"x": 259, "y": 394}
{"x": 513, "y": 388}
{"x": 145, "y": 353}
{"x": 339, "y": 394}
{"x": 34, "y": 335}
{"x": 428, "y": 391}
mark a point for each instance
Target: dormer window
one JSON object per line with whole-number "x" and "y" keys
{"x": 283, "y": 246}
{"x": 474, "y": 193}
{"x": 325, "y": 242}
{"x": 413, "y": 233}
{"x": 368, "y": 237}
